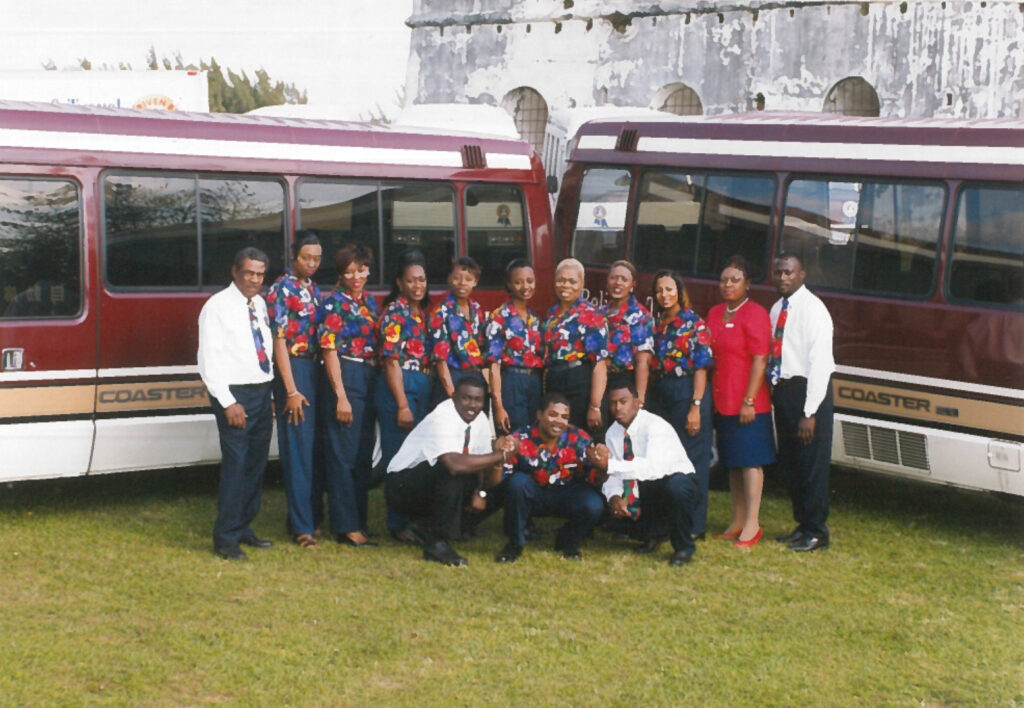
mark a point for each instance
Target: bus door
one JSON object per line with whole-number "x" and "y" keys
{"x": 47, "y": 329}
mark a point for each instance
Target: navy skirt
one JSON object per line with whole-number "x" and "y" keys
{"x": 751, "y": 445}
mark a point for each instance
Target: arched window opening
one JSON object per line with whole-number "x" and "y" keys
{"x": 853, "y": 96}
{"x": 529, "y": 110}
{"x": 678, "y": 99}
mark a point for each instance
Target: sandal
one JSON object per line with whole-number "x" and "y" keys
{"x": 307, "y": 541}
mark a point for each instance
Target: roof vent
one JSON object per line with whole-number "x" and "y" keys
{"x": 627, "y": 140}
{"x": 473, "y": 157}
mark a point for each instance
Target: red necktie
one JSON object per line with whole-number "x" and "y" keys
{"x": 630, "y": 487}
{"x": 465, "y": 441}
{"x": 775, "y": 355}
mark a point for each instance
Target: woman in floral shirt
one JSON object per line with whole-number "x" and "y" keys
{"x": 402, "y": 394}
{"x": 514, "y": 351}
{"x": 682, "y": 357}
{"x": 294, "y": 306}
{"x": 457, "y": 330}
{"x": 575, "y": 338}
{"x": 629, "y": 328}
{"x": 348, "y": 341}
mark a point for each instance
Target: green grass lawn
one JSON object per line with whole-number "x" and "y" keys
{"x": 109, "y": 593}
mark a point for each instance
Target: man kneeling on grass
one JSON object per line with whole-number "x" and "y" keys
{"x": 547, "y": 475}
{"x": 444, "y": 462}
{"x": 649, "y": 477}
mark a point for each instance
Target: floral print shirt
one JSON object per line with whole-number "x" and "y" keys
{"x": 580, "y": 332}
{"x": 511, "y": 341}
{"x": 295, "y": 312}
{"x": 403, "y": 335}
{"x": 349, "y": 325}
{"x": 558, "y": 466}
{"x": 629, "y": 332}
{"x": 682, "y": 345}
{"x": 454, "y": 339}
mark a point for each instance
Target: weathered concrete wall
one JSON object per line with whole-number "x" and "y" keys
{"x": 924, "y": 58}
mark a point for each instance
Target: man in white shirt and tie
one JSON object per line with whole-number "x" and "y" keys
{"x": 234, "y": 363}
{"x": 800, "y": 367}
{"x": 650, "y": 478}
{"x": 442, "y": 463}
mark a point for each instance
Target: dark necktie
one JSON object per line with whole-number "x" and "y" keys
{"x": 630, "y": 487}
{"x": 465, "y": 441}
{"x": 775, "y": 355}
{"x": 257, "y": 338}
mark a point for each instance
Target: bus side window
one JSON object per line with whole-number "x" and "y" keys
{"x": 421, "y": 216}
{"x": 668, "y": 220}
{"x": 600, "y": 236}
{"x": 341, "y": 212}
{"x": 40, "y": 243}
{"x": 495, "y": 230}
{"x": 239, "y": 213}
{"x": 987, "y": 259}
{"x": 736, "y": 219}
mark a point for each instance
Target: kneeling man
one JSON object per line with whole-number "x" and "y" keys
{"x": 650, "y": 478}
{"x": 441, "y": 463}
{"x": 548, "y": 475}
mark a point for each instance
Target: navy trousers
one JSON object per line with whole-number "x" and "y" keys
{"x": 667, "y": 508}
{"x": 804, "y": 467}
{"x": 243, "y": 461}
{"x": 576, "y": 501}
{"x": 672, "y": 402}
{"x": 348, "y": 449}
{"x": 417, "y": 391}
{"x": 520, "y": 395}
{"x": 295, "y": 444}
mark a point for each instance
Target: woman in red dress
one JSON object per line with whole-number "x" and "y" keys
{"x": 740, "y": 337}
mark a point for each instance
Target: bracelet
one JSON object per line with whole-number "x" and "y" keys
{"x": 293, "y": 393}
{"x": 505, "y": 455}
{"x": 748, "y": 401}
{"x": 595, "y": 408}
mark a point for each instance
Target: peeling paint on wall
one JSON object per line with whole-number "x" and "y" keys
{"x": 926, "y": 58}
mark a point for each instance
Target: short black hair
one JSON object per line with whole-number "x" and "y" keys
{"x": 621, "y": 382}
{"x": 552, "y": 397}
{"x": 406, "y": 259}
{"x": 514, "y": 265}
{"x": 469, "y": 264}
{"x": 304, "y": 237}
{"x": 250, "y": 253}
{"x": 739, "y": 263}
{"x": 474, "y": 380}
{"x": 785, "y": 255}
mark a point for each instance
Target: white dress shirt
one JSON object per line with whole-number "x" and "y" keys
{"x": 442, "y": 431}
{"x": 227, "y": 349}
{"x": 807, "y": 345}
{"x": 657, "y": 452}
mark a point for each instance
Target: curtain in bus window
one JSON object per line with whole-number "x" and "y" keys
{"x": 151, "y": 233}
{"x": 736, "y": 219}
{"x": 40, "y": 249}
{"x": 868, "y": 236}
{"x": 420, "y": 216}
{"x": 600, "y": 236}
{"x": 341, "y": 213}
{"x": 495, "y": 230}
{"x": 987, "y": 264}
{"x": 238, "y": 213}
{"x": 668, "y": 220}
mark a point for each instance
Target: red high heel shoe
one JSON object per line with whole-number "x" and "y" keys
{"x": 751, "y": 542}
{"x": 729, "y": 536}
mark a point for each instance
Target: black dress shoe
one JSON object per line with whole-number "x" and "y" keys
{"x": 791, "y": 537}
{"x": 808, "y": 543}
{"x": 231, "y": 553}
{"x": 257, "y": 542}
{"x": 405, "y": 537}
{"x": 649, "y": 546}
{"x": 572, "y": 554}
{"x": 509, "y": 554}
{"x": 680, "y": 558}
{"x": 441, "y": 552}
{"x": 344, "y": 540}
{"x": 532, "y": 533}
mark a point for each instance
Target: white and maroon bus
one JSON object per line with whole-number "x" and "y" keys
{"x": 116, "y": 225}
{"x": 911, "y": 231}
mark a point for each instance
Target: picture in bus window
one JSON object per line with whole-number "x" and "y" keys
{"x": 40, "y": 247}
{"x": 340, "y": 213}
{"x": 877, "y": 237}
{"x": 495, "y": 230}
{"x": 600, "y": 233}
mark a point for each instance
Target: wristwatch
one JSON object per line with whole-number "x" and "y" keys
{"x": 748, "y": 401}
{"x": 482, "y": 493}
{"x": 696, "y": 401}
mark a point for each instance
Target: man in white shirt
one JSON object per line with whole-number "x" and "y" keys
{"x": 644, "y": 449}
{"x": 800, "y": 368}
{"x": 234, "y": 363}
{"x": 443, "y": 463}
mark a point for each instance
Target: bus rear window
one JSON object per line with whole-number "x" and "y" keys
{"x": 40, "y": 249}
{"x": 495, "y": 229}
{"x": 600, "y": 233}
{"x": 873, "y": 237}
{"x": 693, "y": 222}
{"x": 987, "y": 259}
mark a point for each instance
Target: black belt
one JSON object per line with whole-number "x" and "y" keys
{"x": 565, "y": 365}
{"x": 525, "y": 370}
{"x": 672, "y": 375}
{"x": 792, "y": 380}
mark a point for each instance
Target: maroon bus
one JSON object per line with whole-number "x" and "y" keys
{"x": 116, "y": 225}
{"x": 911, "y": 231}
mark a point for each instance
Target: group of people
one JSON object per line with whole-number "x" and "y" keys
{"x": 597, "y": 412}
